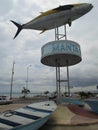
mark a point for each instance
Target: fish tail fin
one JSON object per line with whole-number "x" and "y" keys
{"x": 18, "y": 30}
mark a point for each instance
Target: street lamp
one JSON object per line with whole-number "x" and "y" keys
{"x": 27, "y": 76}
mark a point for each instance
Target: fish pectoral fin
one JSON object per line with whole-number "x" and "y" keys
{"x": 69, "y": 22}
{"x": 43, "y": 31}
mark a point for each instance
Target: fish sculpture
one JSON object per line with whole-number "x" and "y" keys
{"x": 56, "y": 17}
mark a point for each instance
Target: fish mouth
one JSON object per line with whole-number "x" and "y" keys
{"x": 91, "y": 6}
{"x": 84, "y": 9}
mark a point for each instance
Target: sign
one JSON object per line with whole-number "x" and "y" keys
{"x": 61, "y": 47}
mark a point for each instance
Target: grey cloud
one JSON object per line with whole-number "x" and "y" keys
{"x": 26, "y": 49}
{"x": 5, "y": 7}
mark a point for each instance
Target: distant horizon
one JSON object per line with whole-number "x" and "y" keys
{"x": 72, "y": 89}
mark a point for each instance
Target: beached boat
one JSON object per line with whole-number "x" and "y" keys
{"x": 30, "y": 117}
{"x": 68, "y": 100}
{"x": 5, "y": 100}
{"x": 93, "y": 103}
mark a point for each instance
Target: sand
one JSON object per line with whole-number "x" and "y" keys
{"x": 87, "y": 127}
{"x": 20, "y": 102}
{"x": 11, "y": 107}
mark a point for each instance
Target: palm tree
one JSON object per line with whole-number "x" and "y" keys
{"x": 25, "y": 91}
{"x": 46, "y": 93}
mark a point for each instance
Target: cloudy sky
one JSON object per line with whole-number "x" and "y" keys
{"x": 25, "y": 50}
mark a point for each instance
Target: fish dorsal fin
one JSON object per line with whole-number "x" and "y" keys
{"x": 41, "y": 12}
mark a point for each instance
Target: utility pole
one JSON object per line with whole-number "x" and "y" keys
{"x": 27, "y": 76}
{"x": 12, "y": 80}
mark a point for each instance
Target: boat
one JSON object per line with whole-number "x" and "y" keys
{"x": 5, "y": 100}
{"x": 74, "y": 101}
{"x": 93, "y": 103}
{"x": 30, "y": 117}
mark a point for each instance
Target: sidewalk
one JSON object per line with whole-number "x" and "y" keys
{"x": 72, "y": 117}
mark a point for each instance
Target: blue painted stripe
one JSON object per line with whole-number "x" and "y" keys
{"x": 27, "y": 115}
{"x": 40, "y": 110}
{"x": 93, "y": 104}
{"x": 10, "y": 123}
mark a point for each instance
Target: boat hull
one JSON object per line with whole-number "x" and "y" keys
{"x": 72, "y": 101}
{"x": 33, "y": 126}
{"x": 93, "y": 103}
{"x": 5, "y": 100}
{"x": 30, "y": 117}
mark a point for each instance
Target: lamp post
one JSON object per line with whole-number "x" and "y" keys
{"x": 27, "y": 76}
{"x": 12, "y": 80}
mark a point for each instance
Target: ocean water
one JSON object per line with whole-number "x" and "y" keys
{"x": 17, "y": 94}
